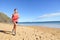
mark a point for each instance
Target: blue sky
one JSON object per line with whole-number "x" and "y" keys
{"x": 32, "y": 10}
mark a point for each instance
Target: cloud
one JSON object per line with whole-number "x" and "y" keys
{"x": 49, "y": 15}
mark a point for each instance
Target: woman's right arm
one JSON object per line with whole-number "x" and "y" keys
{"x": 12, "y": 15}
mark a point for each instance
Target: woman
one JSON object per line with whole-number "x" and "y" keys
{"x": 15, "y": 18}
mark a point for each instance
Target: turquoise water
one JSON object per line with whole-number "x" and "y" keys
{"x": 46, "y": 24}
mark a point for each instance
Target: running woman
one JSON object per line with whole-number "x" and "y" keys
{"x": 15, "y": 17}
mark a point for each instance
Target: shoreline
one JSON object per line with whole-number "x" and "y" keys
{"x": 38, "y": 26}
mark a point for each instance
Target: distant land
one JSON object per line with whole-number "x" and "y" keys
{"x": 4, "y": 18}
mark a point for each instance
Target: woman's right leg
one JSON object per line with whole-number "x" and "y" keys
{"x": 14, "y": 28}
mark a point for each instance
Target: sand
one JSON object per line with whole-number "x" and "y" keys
{"x": 28, "y": 32}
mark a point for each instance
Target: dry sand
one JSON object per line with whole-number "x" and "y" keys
{"x": 28, "y": 33}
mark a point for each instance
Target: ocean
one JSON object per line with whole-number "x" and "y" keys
{"x": 51, "y": 24}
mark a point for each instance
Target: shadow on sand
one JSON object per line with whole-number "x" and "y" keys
{"x": 5, "y": 32}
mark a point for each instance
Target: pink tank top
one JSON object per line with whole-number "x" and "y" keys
{"x": 15, "y": 17}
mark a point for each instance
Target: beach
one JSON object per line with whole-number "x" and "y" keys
{"x": 28, "y": 32}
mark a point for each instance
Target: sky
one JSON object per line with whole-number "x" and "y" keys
{"x": 32, "y": 10}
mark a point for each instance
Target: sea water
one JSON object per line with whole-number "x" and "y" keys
{"x": 45, "y": 24}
